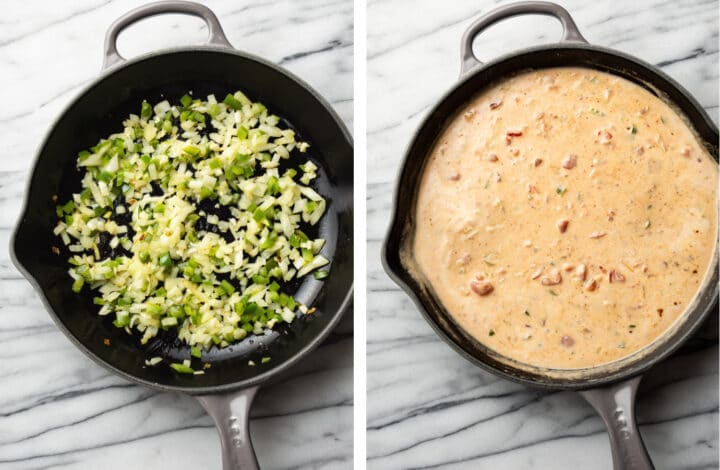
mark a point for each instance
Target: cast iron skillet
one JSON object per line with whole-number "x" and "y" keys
{"x": 227, "y": 388}
{"x": 609, "y": 389}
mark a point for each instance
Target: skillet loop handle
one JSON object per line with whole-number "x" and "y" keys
{"x": 231, "y": 414}
{"x": 571, "y": 33}
{"x": 616, "y": 406}
{"x": 216, "y": 35}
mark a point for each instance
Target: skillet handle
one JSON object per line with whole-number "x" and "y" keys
{"x": 231, "y": 414}
{"x": 216, "y": 35}
{"x": 571, "y": 33}
{"x": 616, "y": 406}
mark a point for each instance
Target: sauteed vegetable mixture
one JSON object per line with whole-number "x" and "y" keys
{"x": 187, "y": 221}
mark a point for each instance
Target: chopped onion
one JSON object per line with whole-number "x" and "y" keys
{"x": 180, "y": 228}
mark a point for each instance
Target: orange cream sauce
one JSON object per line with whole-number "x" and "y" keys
{"x": 566, "y": 217}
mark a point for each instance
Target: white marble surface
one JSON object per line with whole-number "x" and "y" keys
{"x": 427, "y": 407}
{"x": 57, "y": 408}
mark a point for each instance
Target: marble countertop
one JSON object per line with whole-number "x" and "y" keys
{"x": 426, "y": 406}
{"x": 57, "y": 407}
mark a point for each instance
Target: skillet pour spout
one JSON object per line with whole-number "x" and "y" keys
{"x": 610, "y": 389}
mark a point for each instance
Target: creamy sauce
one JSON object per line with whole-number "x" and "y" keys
{"x": 566, "y": 218}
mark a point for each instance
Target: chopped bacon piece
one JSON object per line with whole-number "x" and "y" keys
{"x": 562, "y": 225}
{"x": 604, "y": 137}
{"x": 569, "y": 162}
{"x": 553, "y": 279}
{"x": 616, "y": 276}
{"x": 481, "y": 288}
{"x": 581, "y": 271}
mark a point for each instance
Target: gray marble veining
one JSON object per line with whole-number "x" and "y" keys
{"x": 426, "y": 406}
{"x": 57, "y": 408}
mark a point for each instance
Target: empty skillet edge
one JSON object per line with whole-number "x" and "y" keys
{"x": 614, "y": 393}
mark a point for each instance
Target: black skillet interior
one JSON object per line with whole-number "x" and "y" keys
{"x": 99, "y": 112}
{"x": 401, "y": 229}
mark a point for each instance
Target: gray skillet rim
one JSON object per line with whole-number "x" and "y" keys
{"x": 400, "y": 275}
{"x": 265, "y": 377}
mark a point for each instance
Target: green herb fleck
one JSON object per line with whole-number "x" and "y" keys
{"x": 226, "y": 287}
{"x": 527, "y": 313}
{"x": 647, "y": 224}
{"x": 69, "y": 207}
{"x": 307, "y": 255}
{"x": 231, "y": 101}
{"x": 146, "y": 110}
{"x": 633, "y": 129}
{"x": 182, "y": 368}
{"x": 491, "y": 333}
{"x": 214, "y": 110}
{"x": 321, "y": 274}
{"x": 631, "y": 326}
{"x": 265, "y": 360}
{"x": 552, "y": 292}
{"x": 560, "y": 190}
{"x": 596, "y": 112}
{"x": 165, "y": 261}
